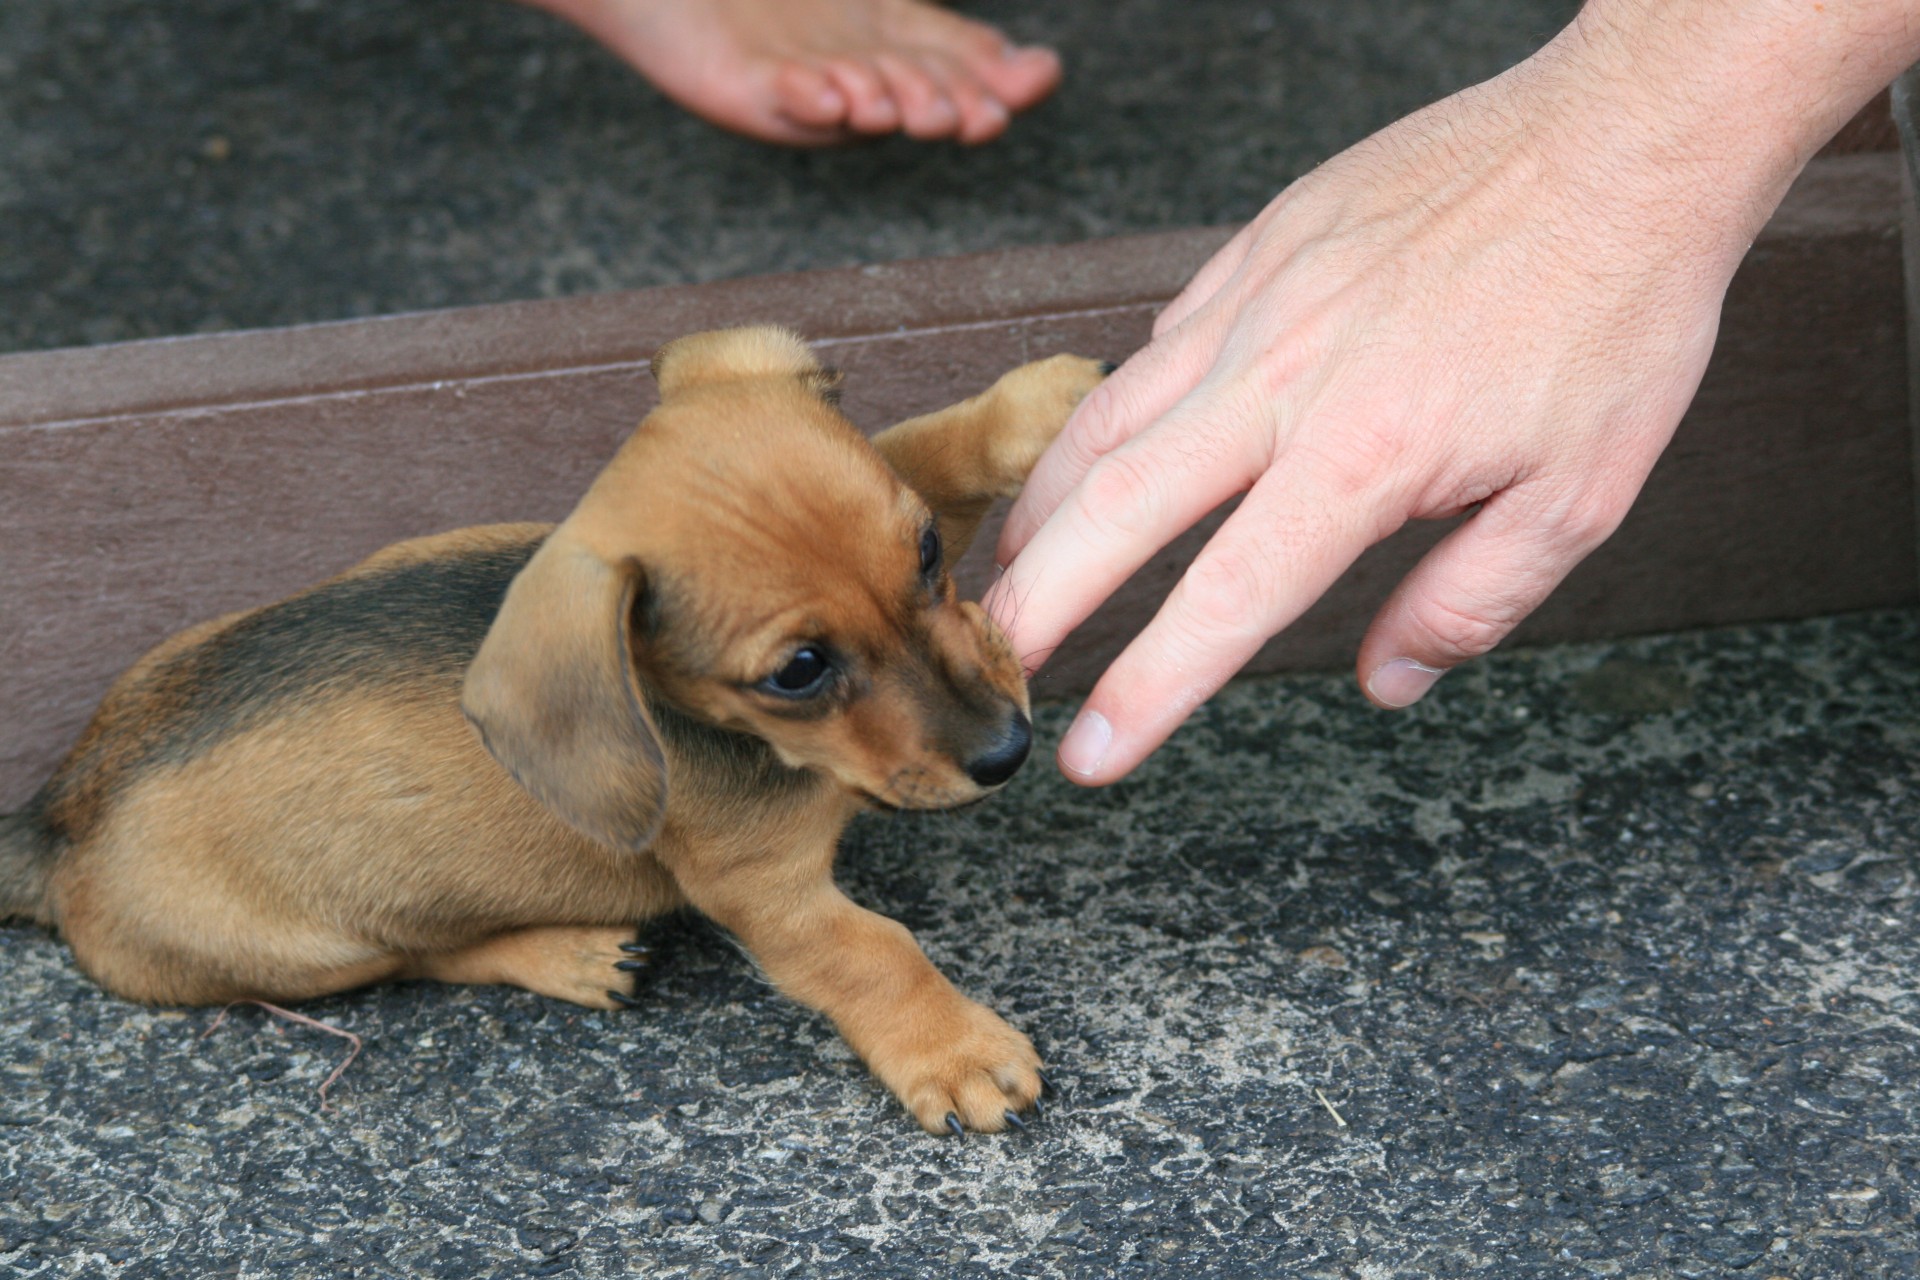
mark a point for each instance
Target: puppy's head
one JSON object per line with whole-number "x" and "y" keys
{"x": 750, "y": 559}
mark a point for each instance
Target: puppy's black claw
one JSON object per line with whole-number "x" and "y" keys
{"x": 636, "y": 948}
{"x": 623, "y": 1000}
{"x": 953, "y": 1123}
{"x": 1039, "y": 1112}
{"x": 632, "y": 966}
{"x": 1107, "y": 367}
{"x": 1015, "y": 1121}
{"x": 1047, "y": 1087}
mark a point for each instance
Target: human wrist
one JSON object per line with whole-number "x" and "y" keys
{"x": 1716, "y": 105}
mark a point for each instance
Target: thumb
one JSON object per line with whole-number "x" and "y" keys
{"x": 1474, "y": 588}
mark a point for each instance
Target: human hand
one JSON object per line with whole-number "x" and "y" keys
{"x": 1501, "y": 304}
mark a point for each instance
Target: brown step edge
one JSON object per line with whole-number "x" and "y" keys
{"x": 149, "y": 485}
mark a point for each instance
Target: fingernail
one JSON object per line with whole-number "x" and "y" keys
{"x": 1402, "y": 682}
{"x": 1086, "y": 743}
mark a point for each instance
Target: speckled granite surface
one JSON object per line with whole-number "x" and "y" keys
{"x": 1606, "y": 958}
{"x": 206, "y": 164}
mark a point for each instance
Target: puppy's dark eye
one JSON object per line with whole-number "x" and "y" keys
{"x": 929, "y": 552}
{"x": 804, "y": 675}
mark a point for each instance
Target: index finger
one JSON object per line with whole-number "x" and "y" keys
{"x": 1128, "y": 505}
{"x": 1150, "y": 383}
{"x": 1297, "y": 531}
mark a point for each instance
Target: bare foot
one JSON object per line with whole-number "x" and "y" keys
{"x": 813, "y": 72}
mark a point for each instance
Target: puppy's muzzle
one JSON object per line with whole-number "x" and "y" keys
{"x": 1005, "y": 757}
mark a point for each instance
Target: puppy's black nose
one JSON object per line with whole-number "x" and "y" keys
{"x": 1001, "y": 763}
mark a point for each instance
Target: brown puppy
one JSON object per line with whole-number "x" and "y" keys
{"x": 743, "y": 635}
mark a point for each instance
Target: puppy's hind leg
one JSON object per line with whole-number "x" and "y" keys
{"x": 962, "y": 458}
{"x": 591, "y": 965}
{"x": 221, "y": 966}
{"x": 162, "y": 933}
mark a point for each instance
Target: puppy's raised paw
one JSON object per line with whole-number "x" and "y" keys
{"x": 1031, "y": 404}
{"x": 968, "y": 1070}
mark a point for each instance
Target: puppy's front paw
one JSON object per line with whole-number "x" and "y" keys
{"x": 964, "y": 1069}
{"x": 1032, "y": 403}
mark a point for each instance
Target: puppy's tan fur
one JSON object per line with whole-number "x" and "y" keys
{"x": 294, "y": 800}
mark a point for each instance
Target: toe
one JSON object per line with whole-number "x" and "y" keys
{"x": 808, "y": 96}
{"x": 1019, "y": 77}
{"x": 870, "y": 107}
{"x": 982, "y": 1105}
{"x": 986, "y": 122}
{"x": 632, "y": 967}
{"x": 981, "y": 1100}
{"x": 926, "y": 112}
{"x": 982, "y": 116}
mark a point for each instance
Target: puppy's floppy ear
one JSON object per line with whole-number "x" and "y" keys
{"x": 553, "y": 694}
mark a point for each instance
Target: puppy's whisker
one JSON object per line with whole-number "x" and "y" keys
{"x": 1033, "y": 659}
{"x": 1013, "y": 624}
{"x": 1020, "y": 604}
{"x": 754, "y": 966}
{"x": 939, "y": 452}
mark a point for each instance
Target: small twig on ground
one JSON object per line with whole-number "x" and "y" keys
{"x": 1337, "y": 1117}
{"x": 304, "y": 1021}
